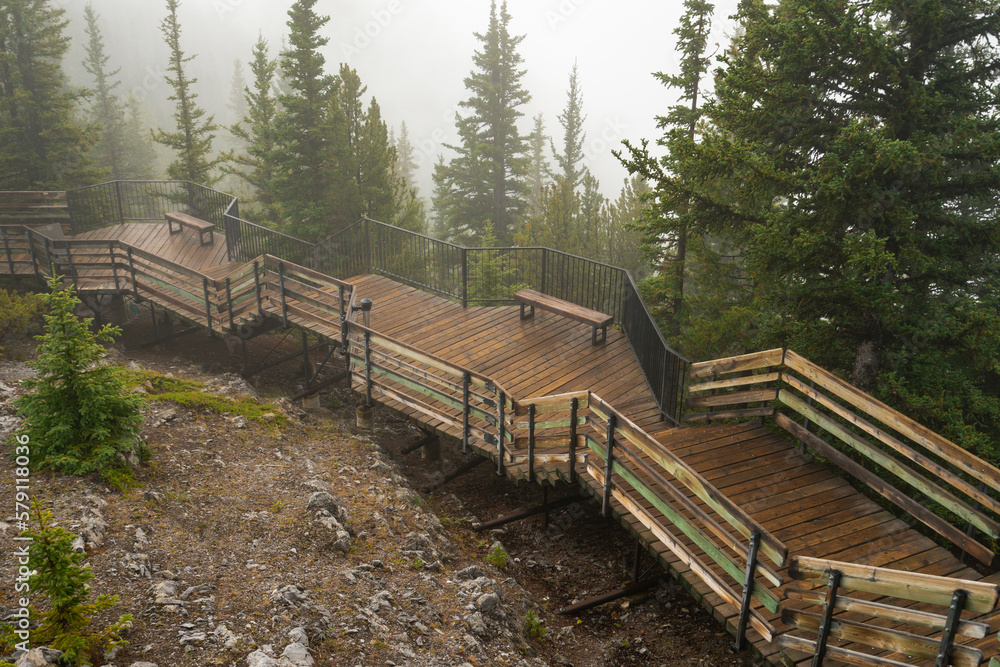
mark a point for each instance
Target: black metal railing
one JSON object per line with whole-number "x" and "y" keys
{"x": 119, "y": 202}
{"x": 246, "y": 240}
{"x": 491, "y": 276}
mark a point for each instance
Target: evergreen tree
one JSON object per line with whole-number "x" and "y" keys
{"x": 311, "y": 184}
{"x": 570, "y": 158}
{"x": 140, "y": 154}
{"x": 42, "y": 144}
{"x": 539, "y": 173}
{"x": 672, "y": 217}
{"x": 406, "y": 164}
{"x": 107, "y": 110}
{"x": 622, "y": 243}
{"x": 192, "y": 139}
{"x": 852, "y": 153}
{"x": 257, "y": 163}
{"x": 486, "y": 180}
{"x": 237, "y": 103}
{"x": 372, "y": 155}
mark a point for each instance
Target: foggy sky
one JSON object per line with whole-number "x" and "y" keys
{"x": 414, "y": 55}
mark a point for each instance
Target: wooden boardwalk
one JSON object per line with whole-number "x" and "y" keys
{"x": 807, "y": 506}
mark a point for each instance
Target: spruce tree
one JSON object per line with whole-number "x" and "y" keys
{"x": 372, "y": 155}
{"x": 539, "y": 173}
{"x": 140, "y": 153}
{"x": 406, "y": 164}
{"x": 42, "y": 144}
{"x": 570, "y": 157}
{"x": 237, "y": 103}
{"x": 852, "y": 150}
{"x": 106, "y": 108}
{"x": 192, "y": 139}
{"x": 257, "y": 163}
{"x": 673, "y": 216}
{"x": 486, "y": 180}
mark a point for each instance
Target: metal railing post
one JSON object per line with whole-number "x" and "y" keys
{"x": 824, "y": 624}
{"x": 741, "y": 629}
{"x": 208, "y": 306}
{"x": 34, "y": 258}
{"x": 574, "y": 408}
{"x": 545, "y": 264}
{"x": 229, "y": 305}
{"x": 281, "y": 291}
{"x": 466, "y": 379}
{"x": 260, "y": 296}
{"x": 501, "y": 432}
{"x": 531, "y": 442}
{"x": 6, "y": 247}
{"x": 368, "y": 369}
{"x": 465, "y": 277}
{"x": 343, "y": 318}
{"x": 131, "y": 269}
{"x": 118, "y": 200}
{"x": 609, "y": 459}
{"x": 114, "y": 265}
{"x": 951, "y": 628}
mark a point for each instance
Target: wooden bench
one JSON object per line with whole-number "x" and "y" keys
{"x": 184, "y": 220}
{"x": 533, "y": 298}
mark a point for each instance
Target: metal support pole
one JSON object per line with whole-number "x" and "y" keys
{"x": 741, "y": 629}
{"x": 343, "y": 319}
{"x": 574, "y": 408}
{"x": 69, "y": 261}
{"x": 156, "y": 326}
{"x": 305, "y": 355}
{"x": 229, "y": 305}
{"x": 501, "y": 432}
{"x": 131, "y": 269}
{"x": 114, "y": 264}
{"x": 6, "y": 247}
{"x": 48, "y": 257}
{"x": 609, "y": 460}
{"x": 531, "y": 442}
{"x": 368, "y": 369}
{"x": 281, "y": 291}
{"x": 950, "y": 628}
{"x": 466, "y": 379}
{"x": 256, "y": 282}
{"x": 208, "y": 306}
{"x": 465, "y": 277}
{"x": 824, "y": 624}
{"x": 34, "y": 258}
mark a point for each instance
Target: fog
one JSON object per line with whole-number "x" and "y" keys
{"x": 414, "y": 56}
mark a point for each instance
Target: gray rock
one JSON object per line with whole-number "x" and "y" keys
{"x": 138, "y": 564}
{"x": 292, "y": 595}
{"x": 195, "y": 638}
{"x": 260, "y": 659}
{"x": 33, "y": 658}
{"x": 317, "y": 484}
{"x": 477, "y": 625}
{"x": 471, "y": 572}
{"x": 164, "y": 590}
{"x": 226, "y": 637}
{"x": 143, "y": 664}
{"x": 379, "y": 601}
{"x": 324, "y": 500}
{"x": 298, "y": 655}
{"x": 489, "y": 604}
{"x": 341, "y": 538}
{"x": 298, "y": 636}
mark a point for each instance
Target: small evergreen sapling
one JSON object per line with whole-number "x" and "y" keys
{"x": 78, "y": 416}
{"x": 61, "y": 578}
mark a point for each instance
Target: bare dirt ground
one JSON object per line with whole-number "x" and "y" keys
{"x": 219, "y": 556}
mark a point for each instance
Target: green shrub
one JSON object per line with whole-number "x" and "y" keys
{"x": 534, "y": 627}
{"x": 62, "y": 580}
{"x": 17, "y": 311}
{"x": 498, "y": 557}
{"x": 78, "y": 415}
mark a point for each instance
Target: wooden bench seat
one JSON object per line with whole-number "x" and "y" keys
{"x": 533, "y": 298}
{"x": 184, "y": 220}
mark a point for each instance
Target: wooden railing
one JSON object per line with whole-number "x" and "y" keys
{"x": 887, "y": 633}
{"x": 33, "y": 208}
{"x": 897, "y": 458}
{"x": 581, "y": 438}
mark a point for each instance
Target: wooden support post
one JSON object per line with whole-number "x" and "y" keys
{"x": 824, "y": 624}
{"x": 574, "y": 408}
{"x": 501, "y": 432}
{"x": 455, "y": 475}
{"x": 950, "y": 628}
{"x": 281, "y": 291}
{"x": 524, "y": 514}
{"x": 466, "y": 381}
{"x": 368, "y": 369}
{"x": 208, "y": 306}
{"x": 423, "y": 442}
{"x": 156, "y": 326}
{"x": 531, "y": 442}
{"x": 229, "y": 305}
{"x": 748, "y": 582}
{"x": 305, "y": 357}
{"x": 114, "y": 265}
{"x": 609, "y": 459}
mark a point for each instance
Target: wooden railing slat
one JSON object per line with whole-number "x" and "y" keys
{"x": 744, "y": 362}
{"x": 741, "y": 381}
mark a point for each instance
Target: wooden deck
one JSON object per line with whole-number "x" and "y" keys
{"x": 806, "y": 505}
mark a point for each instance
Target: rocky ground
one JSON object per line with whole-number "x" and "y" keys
{"x": 293, "y": 538}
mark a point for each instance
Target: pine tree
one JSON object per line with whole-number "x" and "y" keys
{"x": 140, "y": 154}
{"x": 257, "y": 163}
{"x": 672, "y": 216}
{"x": 852, "y": 151}
{"x": 42, "y": 144}
{"x": 311, "y": 185}
{"x": 372, "y": 155}
{"x": 570, "y": 158}
{"x": 237, "y": 103}
{"x": 486, "y": 180}
{"x": 539, "y": 173}
{"x": 406, "y": 164}
{"x": 106, "y": 110}
{"x": 192, "y": 139}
